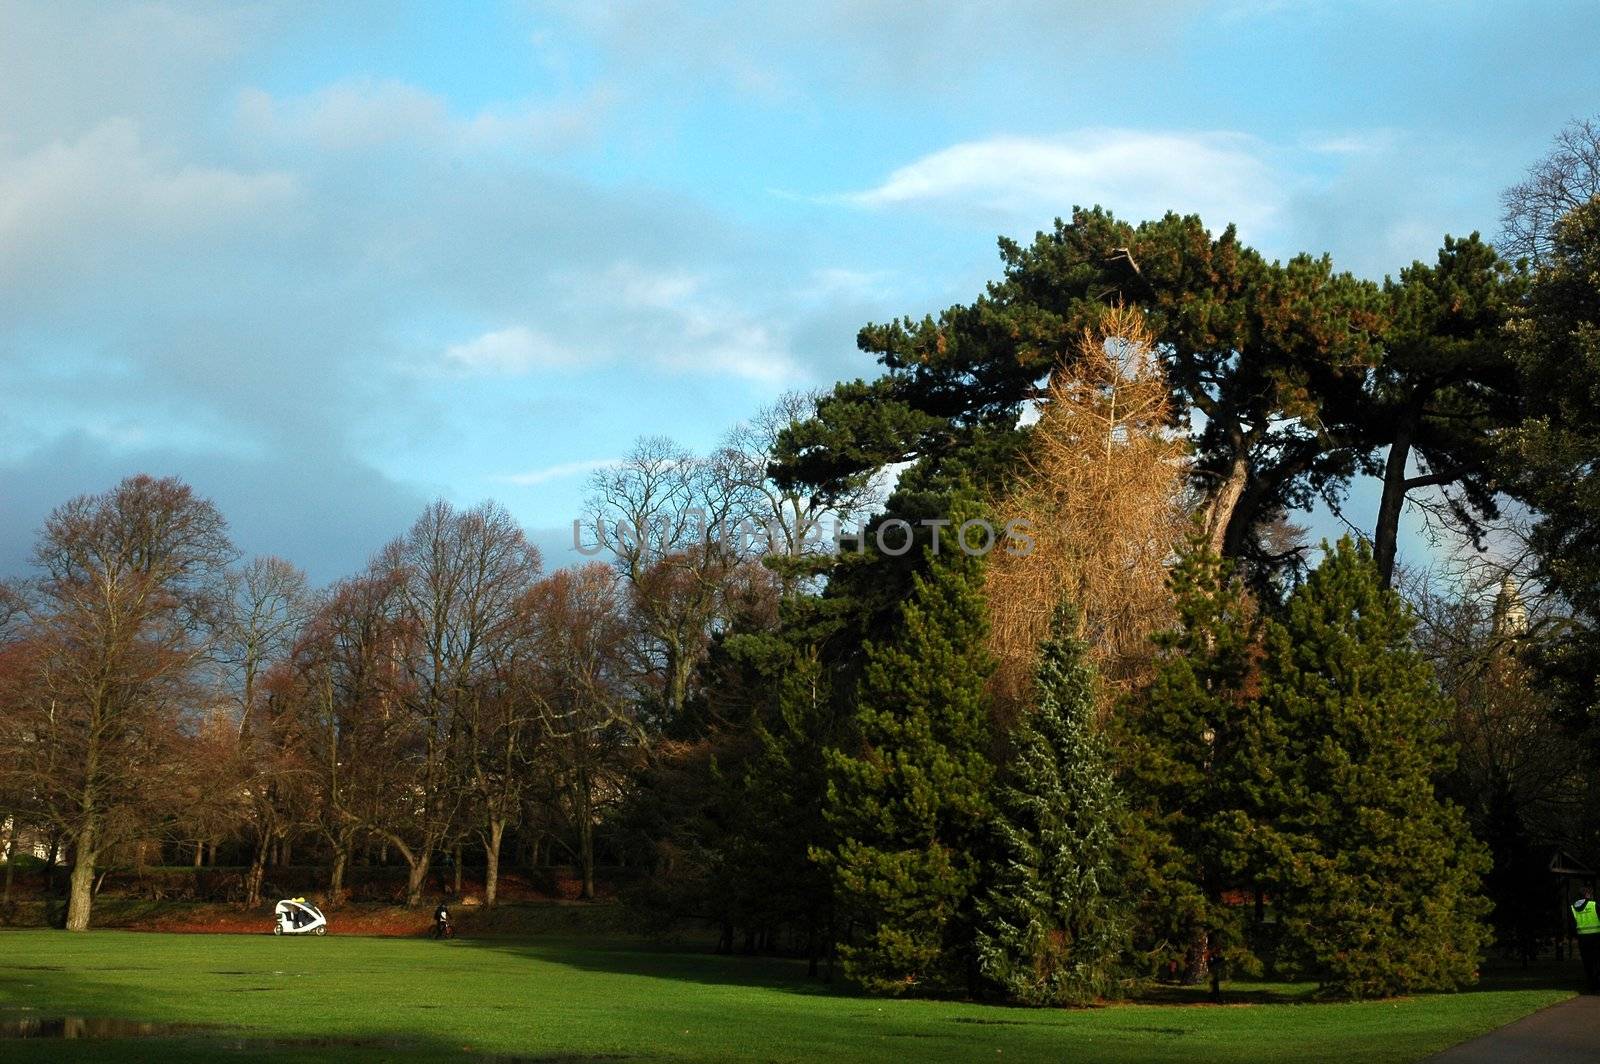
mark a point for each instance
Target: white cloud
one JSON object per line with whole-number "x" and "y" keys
{"x": 509, "y": 352}
{"x": 674, "y": 319}
{"x": 691, "y": 328}
{"x": 67, "y": 70}
{"x": 556, "y": 472}
{"x": 1222, "y": 176}
{"x": 95, "y": 193}
{"x": 364, "y": 113}
{"x": 786, "y": 53}
{"x": 838, "y": 282}
{"x": 655, "y": 290}
{"x": 1353, "y": 142}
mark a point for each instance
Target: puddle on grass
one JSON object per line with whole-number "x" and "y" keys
{"x": 99, "y": 1027}
{"x": 85, "y": 1027}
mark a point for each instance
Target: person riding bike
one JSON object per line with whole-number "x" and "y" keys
{"x": 441, "y": 923}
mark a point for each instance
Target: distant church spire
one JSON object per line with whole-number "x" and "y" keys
{"x": 1510, "y": 615}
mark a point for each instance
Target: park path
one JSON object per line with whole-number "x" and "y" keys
{"x": 1568, "y": 1033}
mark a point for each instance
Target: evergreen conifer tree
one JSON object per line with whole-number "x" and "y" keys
{"x": 1182, "y": 756}
{"x": 1051, "y": 928}
{"x": 906, "y": 801}
{"x": 1374, "y": 878}
{"x": 784, "y": 798}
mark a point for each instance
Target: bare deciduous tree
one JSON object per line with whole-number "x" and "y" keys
{"x": 346, "y": 687}
{"x": 663, "y": 515}
{"x": 132, "y": 578}
{"x": 266, "y": 608}
{"x": 578, "y": 642}
{"x": 1563, "y": 179}
{"x": 794, "y": 527}
{"x": 267, "y": 605}
{"x": 460, "y": 577}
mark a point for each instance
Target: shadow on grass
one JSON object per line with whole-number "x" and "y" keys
{"x": 673, "y": 962}
{"x": 677, "y": 962}
{"x": 1233, "y": 993}
{"x": 1545, "y": 974}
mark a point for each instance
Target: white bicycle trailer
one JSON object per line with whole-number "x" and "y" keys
{"x": 296, "y": 916}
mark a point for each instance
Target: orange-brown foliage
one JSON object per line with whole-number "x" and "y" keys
{"x": 1103, "y": 491}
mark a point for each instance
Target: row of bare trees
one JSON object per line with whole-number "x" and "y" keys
{"x": 153, "y": 689}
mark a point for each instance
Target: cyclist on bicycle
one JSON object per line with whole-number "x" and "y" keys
{"x": 441, "y": 922}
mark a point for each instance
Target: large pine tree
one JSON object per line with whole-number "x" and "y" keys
{"x": 1051, "y": 927}
{"x": 1374, "y": 878}
{"x": 906, "y": 801}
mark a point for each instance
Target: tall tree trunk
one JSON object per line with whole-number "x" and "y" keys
{"x": 258, "y": 869}
{"x": 286, "y": 851}
{"x": 81, "y": 899}
{"x": 343, "y": 845}
{"x": 491, "y": 860}
{"x": 457, "y": 860}
{"x": 50, "y": 861}
{"x": 680, "y": 665}
{"x": 1225, "y": 500}
{"x": 11, "y": 857}
{"x": 417, "y": 877}
{"x": 1195, "y": 968}
{"x": 199, "y": 852}
{"x": 1386, "y": 533}
{"x": 586, "y": 838}
{"x": 336, "y": 876}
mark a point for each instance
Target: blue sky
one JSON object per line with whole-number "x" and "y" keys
{"x": 328, "y": 261}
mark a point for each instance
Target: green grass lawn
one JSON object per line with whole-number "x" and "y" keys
{"x": 565, "y": 999}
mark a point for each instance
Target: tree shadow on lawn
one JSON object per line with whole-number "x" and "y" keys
{"x": 673, "y": 962}
{"x": 678, "y": 963}
{"x": 1546, "y": 974}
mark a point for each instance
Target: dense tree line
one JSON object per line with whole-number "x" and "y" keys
{"x": 1305, "y": 772}
{"x": 1153, "y": 733}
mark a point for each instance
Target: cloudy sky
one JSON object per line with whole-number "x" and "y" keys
{"x": 328, "y": 261}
